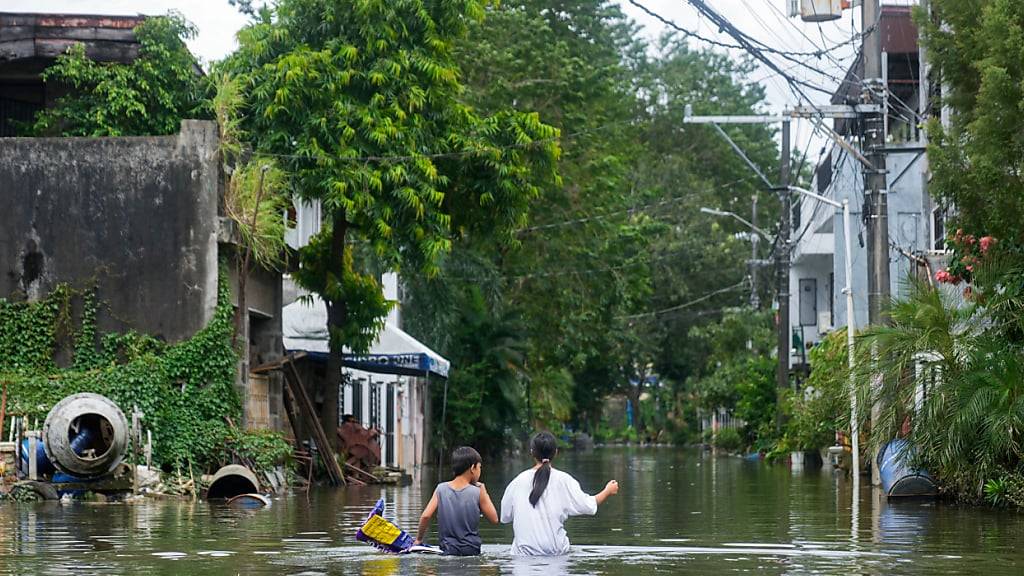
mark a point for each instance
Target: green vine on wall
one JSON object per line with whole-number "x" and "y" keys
{"x": 185, "y": 390}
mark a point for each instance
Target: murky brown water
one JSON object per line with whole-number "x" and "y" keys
{"x": 679, "y": 512}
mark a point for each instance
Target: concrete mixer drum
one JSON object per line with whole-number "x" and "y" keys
{"x": 85, "y": 435}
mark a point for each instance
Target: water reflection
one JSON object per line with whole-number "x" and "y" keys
{"x": 678, "y": 511}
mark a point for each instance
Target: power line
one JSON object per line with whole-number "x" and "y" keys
{"x": 691, "y": 34}
{"x": 625, "y": 211}
{"x": 708, "y": 296}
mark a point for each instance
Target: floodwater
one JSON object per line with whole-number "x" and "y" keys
{"x": 678, "y": 511}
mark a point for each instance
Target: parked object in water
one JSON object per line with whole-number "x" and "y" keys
{"x": 249, "y": 501}
{"x": 232, "y": 480}
{"x": 899, "y": 479}
{"x": 85, "y": 435}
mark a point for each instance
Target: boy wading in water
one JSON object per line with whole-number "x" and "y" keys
{"x": 538, "y": 501}
{"x": 458, "y": 505}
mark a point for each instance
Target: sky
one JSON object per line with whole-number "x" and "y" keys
{"x": 765, "y": 20}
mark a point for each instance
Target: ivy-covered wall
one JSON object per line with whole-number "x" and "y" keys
{"x": 186, "y": 389}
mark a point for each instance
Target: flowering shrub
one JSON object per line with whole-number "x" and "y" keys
{"x": 968, "y": 253}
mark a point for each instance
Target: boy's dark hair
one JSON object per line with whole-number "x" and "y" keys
{"x": 464, "y": 458}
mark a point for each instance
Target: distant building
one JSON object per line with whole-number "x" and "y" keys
{"x": 916, "y": 226}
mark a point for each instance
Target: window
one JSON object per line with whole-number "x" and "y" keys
{"x": 375, "y": 416}
{"x": 808, "y": 302}
{"x": 389, "y": 434}
{"x": 824, "y": 174}
{"x": 831, "y": 299}
{"x": 938, "y": 229}
{"x": 357, "y": 399}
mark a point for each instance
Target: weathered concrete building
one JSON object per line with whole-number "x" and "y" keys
{"x": 30, "y": 42}
{"x": 916, "y": 224}
{"x": 139, "y": 219}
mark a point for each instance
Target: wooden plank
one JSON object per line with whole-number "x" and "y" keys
{"x": 271, "y": 366}
{"x": 257, "y": 405}
{"x": 323, "y": 444}
{"x": 86, "y": 34}
{"x": 17, "y": 49}
{"x": 289, "y": 409}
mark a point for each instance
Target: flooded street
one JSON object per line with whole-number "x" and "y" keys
{"x": 678, "y": 512}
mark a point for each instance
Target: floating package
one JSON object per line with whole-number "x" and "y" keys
{"x": 383, "y": 534}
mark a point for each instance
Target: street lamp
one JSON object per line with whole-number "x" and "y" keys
{"x": 848, "y": 290}
{"x": 745, "y": 222}
{"x": 753, "y": 262}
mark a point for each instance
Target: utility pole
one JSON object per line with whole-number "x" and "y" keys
{"x": 782, "y": 261}
{"x": 755, "y": 300}
{"x": 782, "y": 273}
{"x": 873, "y": 126}
{"x": 874, "y": 177}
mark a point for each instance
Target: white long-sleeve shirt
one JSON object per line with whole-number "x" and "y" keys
{"x": 540, "y": 531}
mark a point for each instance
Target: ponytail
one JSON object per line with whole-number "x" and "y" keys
{"x": 543, "y": 447}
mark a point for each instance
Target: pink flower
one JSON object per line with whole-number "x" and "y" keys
{"x": 943, "y": 276}
{"x": 970, "y": 268}
{"x": 969, "y": 240}
{"x": 986, "y": 243}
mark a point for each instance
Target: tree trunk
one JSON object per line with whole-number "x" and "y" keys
{"x": 337, "y": 314}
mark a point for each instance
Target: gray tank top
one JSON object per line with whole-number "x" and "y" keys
{"x": 458, "y": 519}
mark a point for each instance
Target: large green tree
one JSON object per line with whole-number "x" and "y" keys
{"x": 977, "y": 160}
{"x": 361, "y": 101}
{"x": 621, "y": 236}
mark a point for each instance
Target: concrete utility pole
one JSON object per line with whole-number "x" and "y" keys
{"x": 755, "y": 300}
{"x": 874, "y": 178}
{"x": 785, "y": 198}
{"x": 875, "y": 185}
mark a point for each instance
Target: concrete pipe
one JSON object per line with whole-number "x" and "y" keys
{"x": 85, "y": 435}
{"x": 232, "y": 480}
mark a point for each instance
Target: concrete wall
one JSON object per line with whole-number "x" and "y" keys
{"x": 136, "y": 217}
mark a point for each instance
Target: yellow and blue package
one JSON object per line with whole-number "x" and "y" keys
{"x": 383, "y": 534}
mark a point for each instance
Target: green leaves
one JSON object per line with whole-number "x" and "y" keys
{"x": 148, "y": 96}
{"x": 186, "y": 390}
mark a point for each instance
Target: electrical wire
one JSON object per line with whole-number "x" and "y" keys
{"x": 741, "y": 284}
{"x": 626, "y": 211}
{"x": 697, "y": 36}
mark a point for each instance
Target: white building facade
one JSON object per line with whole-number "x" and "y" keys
{"x": 387, "y": 389}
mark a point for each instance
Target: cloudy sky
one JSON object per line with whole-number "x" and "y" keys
{"x": 764, "y": 20}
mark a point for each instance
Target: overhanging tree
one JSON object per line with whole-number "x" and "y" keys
{"x": 361, "y": 101}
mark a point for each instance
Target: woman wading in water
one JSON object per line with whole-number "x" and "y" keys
{"x": 538, "y": 501}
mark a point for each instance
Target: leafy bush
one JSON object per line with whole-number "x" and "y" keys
{"x": 823, "y": 406}
{"x": 149, "y": 96}
{"x": 728, "y": 439}
{"x": 968, "y": 428}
